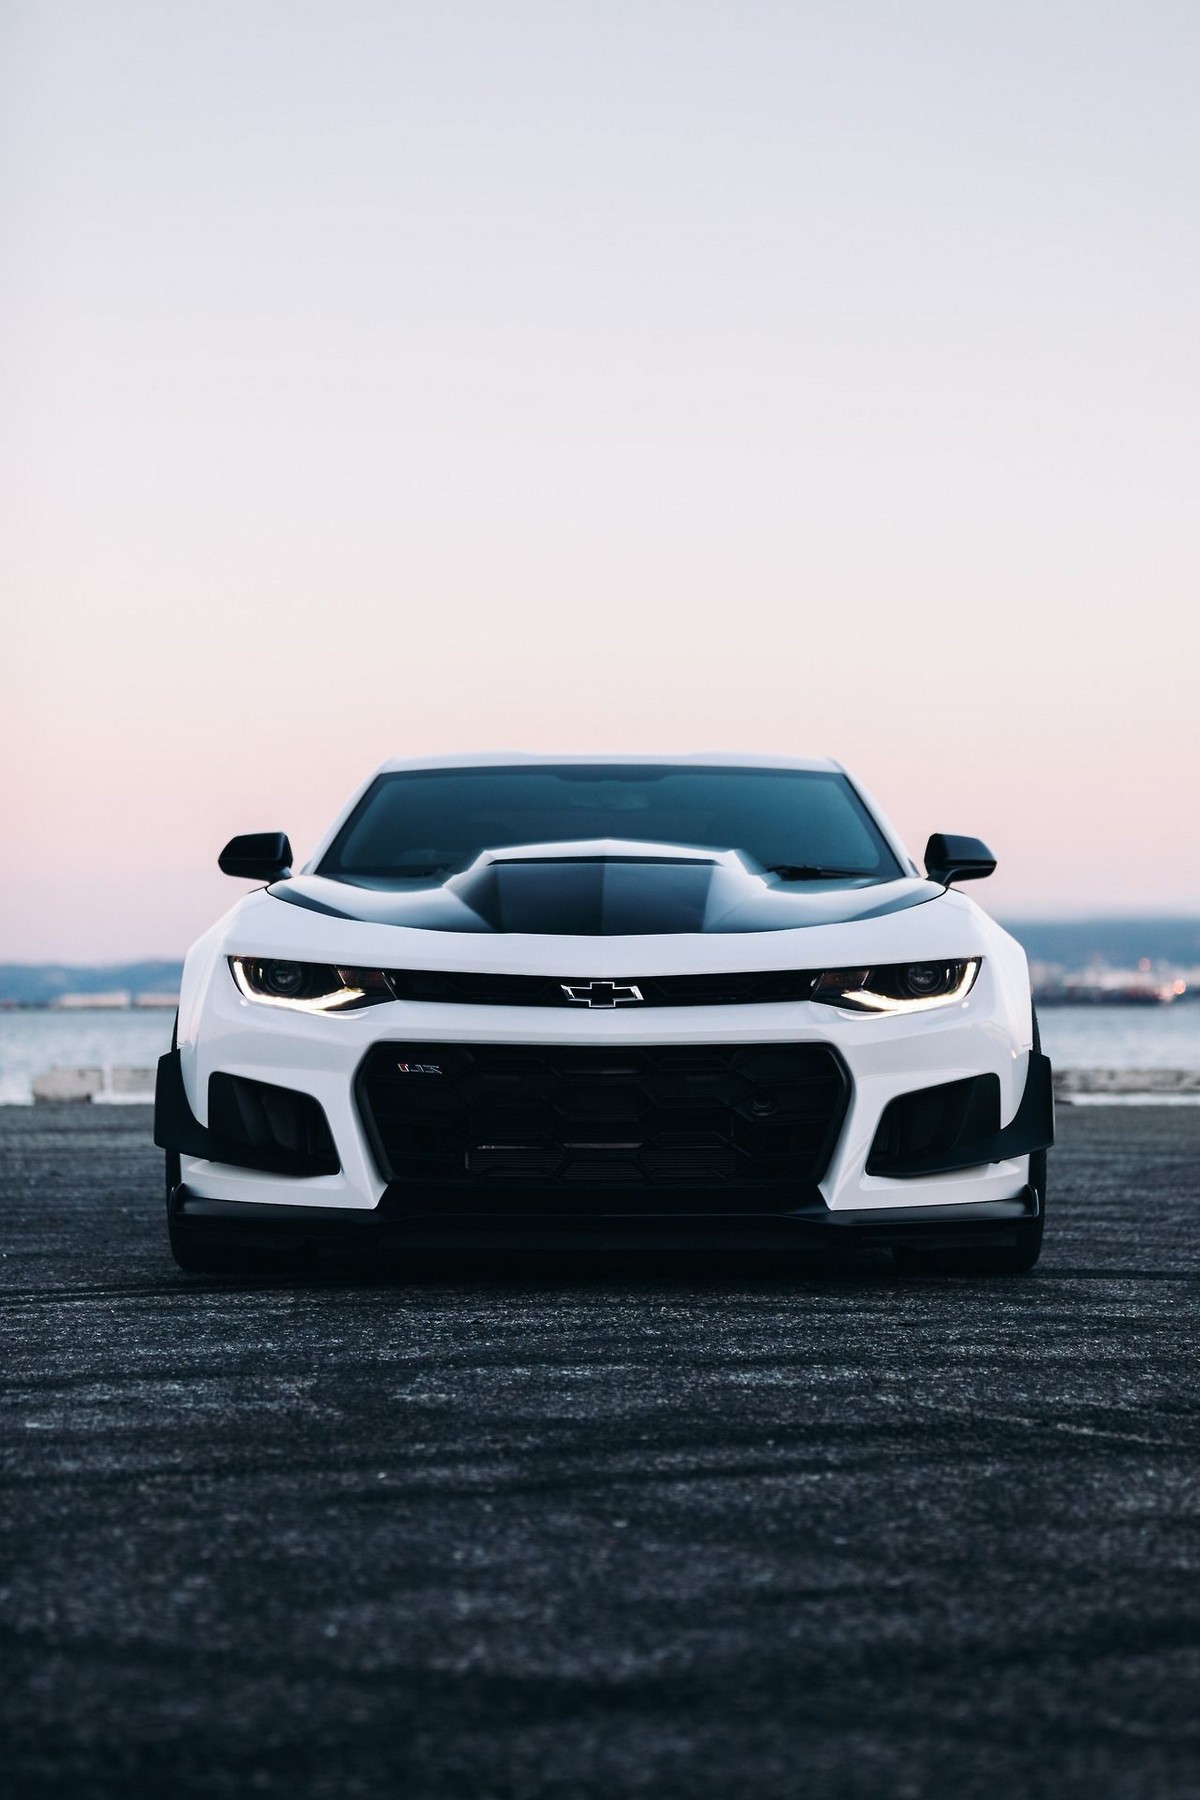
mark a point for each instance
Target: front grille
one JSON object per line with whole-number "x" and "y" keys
{"x": 465, "y": 989}
{"x": 476, "y": 1120}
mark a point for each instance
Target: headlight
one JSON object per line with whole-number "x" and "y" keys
{"x": 309, "y": 987}
{"x": 897, "y": 987}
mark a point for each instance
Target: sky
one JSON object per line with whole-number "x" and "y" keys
{"x": 391, "y": 379}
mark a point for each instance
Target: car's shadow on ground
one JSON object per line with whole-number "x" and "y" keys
{"x": 731, "y": 1274}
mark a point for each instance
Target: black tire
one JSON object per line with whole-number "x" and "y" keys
{"x": 194, "y": 1258}
{"x": 172, "y": 1172}
{"x": 995, "y": 1259}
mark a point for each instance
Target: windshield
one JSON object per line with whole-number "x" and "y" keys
{"x": 417, "y": 822}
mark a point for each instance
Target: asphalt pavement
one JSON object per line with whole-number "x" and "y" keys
{"x": 558, "y": 1530}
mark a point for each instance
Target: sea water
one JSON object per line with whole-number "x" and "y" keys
{"x": 32, "y": 1042}
{"x": 1074, "y": 1037}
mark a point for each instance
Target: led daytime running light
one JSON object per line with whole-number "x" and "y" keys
{"x": 331, "y": 989}
{"x": 865, "y": 990}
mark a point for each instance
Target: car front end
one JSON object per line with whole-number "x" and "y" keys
{"x": 759, "y": 1059}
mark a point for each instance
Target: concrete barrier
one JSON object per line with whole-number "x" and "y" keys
{"x": 124, "y": 1083}
{"x": 102, "y": 1085}
{"x": 1148, "y": 1082}
{"x": 68, "y": 1084}
{"x": 118, "y": 1084}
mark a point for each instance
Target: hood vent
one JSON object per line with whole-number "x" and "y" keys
{"x": 605, "y": 889}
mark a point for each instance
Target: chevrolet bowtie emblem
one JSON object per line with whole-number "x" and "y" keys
{"x": 602, "y": 993}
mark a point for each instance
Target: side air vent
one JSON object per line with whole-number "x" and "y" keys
{"x": 257, "y": 1125}
{"x": 923, "y": 1131}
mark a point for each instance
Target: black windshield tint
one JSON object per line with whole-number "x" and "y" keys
{"x": 426, "y": 821}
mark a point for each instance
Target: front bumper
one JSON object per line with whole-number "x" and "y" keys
{"x": 885, "y": 1059}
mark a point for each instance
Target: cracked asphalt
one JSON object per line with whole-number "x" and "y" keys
{"x": 556, "y": 1530}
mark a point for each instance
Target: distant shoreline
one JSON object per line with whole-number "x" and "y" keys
{"x": 55, "y": 1006}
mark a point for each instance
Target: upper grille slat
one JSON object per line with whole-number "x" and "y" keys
{"x": 455, "y": 988}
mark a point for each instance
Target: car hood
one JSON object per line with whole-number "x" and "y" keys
{"x": 608, "y": 888}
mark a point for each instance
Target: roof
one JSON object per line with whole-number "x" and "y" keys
{"x": 721, "y": 759}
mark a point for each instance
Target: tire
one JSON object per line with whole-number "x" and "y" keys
{"x": 198, "y": 1258}
{"x": 996, "y": 1259}
{"x": 191, "y": 1257}
{"x": 172, "y": 1173}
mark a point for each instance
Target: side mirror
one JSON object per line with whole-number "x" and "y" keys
{"x": 949, "y": 858}
{"x": 257, "y": 856}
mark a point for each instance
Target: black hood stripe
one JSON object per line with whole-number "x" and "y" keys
{"x": 583, "y": 894}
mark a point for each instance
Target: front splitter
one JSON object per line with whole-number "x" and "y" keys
{"x": 254, "y": 1225}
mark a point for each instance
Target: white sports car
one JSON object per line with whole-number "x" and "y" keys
{"x": 547, "y": 1001}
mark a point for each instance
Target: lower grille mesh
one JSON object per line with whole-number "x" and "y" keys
{"x": 574, "y": 1119}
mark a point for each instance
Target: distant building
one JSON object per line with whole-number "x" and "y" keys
{"x": 165, "y": 1002}
{"x": 118, "y": 1000}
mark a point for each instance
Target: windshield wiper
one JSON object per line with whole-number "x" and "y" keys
{"x": 808, "y": 872}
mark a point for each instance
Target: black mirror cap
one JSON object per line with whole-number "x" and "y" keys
{"x": 257, "y": 856}
{"x": 949, "y": 858}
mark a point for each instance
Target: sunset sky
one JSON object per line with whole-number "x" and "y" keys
{"x": 385, "y": 379}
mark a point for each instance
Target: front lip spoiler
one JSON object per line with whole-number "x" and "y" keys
{"x": 250, "y": 1224}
